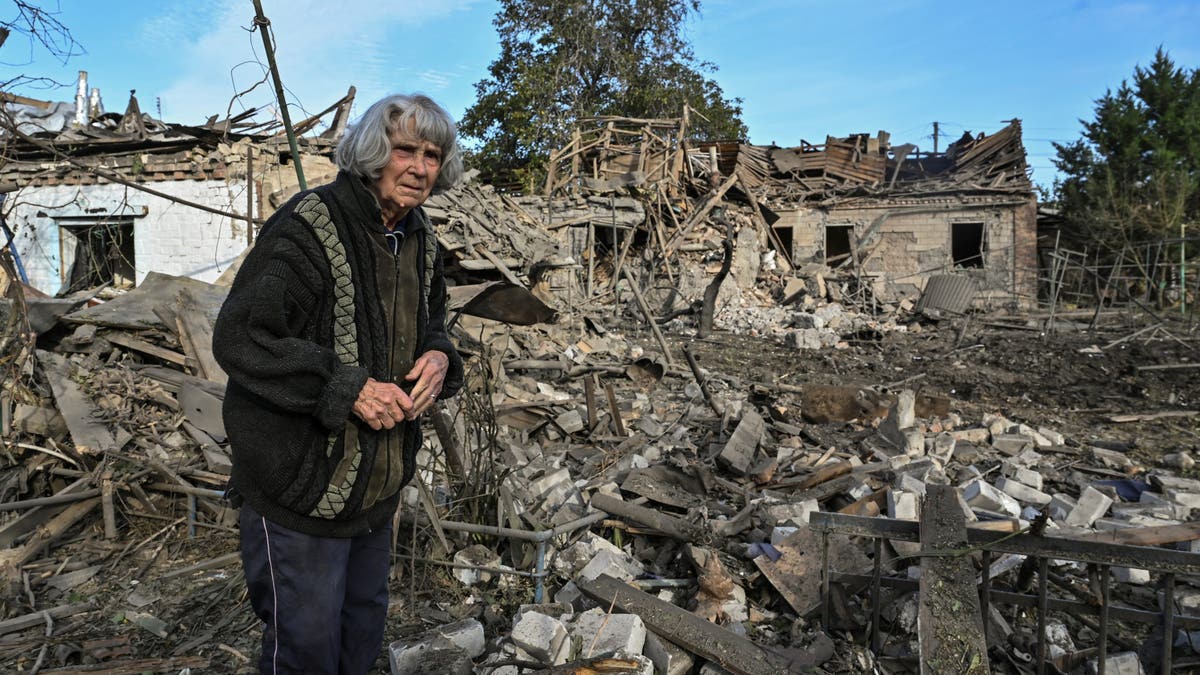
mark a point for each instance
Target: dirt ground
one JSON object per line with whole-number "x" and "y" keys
{"x": 1039, "y": 379}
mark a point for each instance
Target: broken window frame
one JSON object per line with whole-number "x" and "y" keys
{"x": 842, "y": 252}
{"x": 113, "y": 233}
{"x": 959, "y": 259}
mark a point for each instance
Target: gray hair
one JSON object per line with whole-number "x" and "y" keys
{"x": 367, "y": 147}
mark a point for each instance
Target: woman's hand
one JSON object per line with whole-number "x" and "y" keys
{"x": 429, "y": 372}
{"x": 382, "y": 405}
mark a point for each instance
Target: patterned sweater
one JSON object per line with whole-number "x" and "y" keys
{"x": 301, "y": 330}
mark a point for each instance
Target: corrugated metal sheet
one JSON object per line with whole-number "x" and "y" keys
{"x": 948, "y": 293}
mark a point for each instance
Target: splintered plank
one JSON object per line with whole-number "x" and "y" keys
{"x": 196, "y": 333}
{"x": 950, "y": 622}
{"x": 130, "y": 342}
{"x": 729, "y": 650}
{"x": 1144, "y": 536}
{"x": 89, "y": 434}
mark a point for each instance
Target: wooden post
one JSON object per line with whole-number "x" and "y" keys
{"x": 106, "y": 504}
{"x": 641, "y": 301}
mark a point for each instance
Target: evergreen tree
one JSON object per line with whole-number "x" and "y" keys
{"x": 1134, "y": 176}
{"x": 565, "y": 60}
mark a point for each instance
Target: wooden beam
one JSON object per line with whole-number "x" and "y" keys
{"x": 89, "y": 435}
{"x": 950, "y": 623}
{"x": 729, "y": 650}
{"x": 196, "y": 333}
{"x": 676, "y": 528}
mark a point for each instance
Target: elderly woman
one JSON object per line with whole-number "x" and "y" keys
{"x": 334, "y": 340}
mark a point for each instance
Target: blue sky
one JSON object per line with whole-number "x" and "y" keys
{"x": 803, "y": 68}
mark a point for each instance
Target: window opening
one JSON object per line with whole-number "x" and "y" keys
{"x": 96, "y": 252}
{"x": 968, "y": 244}
{"x": 837, "y": 243}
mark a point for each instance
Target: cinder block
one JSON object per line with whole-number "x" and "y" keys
{"x": 616, "y": 565}
{"x": 597, "y": 632}
{"x": 450, "y": 646}
{"x": 668, "y": 658}
{"x": 1028, "y": 476}
{"x": 983, "y": 496}
{"x": 1131, "y": 575}
{"x": 541, "y": 636}
{"x": 1091, "y": 506}
{"x": 1061, "y": 506}
{"x": 1011, "y": 444}
{"x": 903, "y": 505}
{"x": 1022, "y": 492}
{"x": 1125, "y": 663}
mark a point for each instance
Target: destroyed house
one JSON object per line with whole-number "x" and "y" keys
{"x": 896, "y": 218}
{"x": 92, "y": 199}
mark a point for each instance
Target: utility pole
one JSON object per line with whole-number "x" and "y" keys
{"x": 261, "y": 22}
{"x": 935, "y": 130}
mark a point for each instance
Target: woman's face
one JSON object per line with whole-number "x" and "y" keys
{"x": 407, "y": 180}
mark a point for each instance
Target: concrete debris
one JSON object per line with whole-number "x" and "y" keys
{"x": 591, "y": 502}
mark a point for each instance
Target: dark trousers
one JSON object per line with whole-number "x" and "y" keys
{"x": 323, "y": 600}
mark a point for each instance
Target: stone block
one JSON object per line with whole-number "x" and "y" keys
{"x": 975, "y": 436}
{"x": 1131, "y": 575}
{"x": 570, "y": 421}
{"x": 910, "y": 483}
{"x": 1186, "y": 497}
{"x": 1051, "y": 435}
{"x": 1092, "y": 505}
{"x": 792, "y": 514}
{"x": 1022, "y": 492}
{"x": 981, "y": 495}
{"x": 1027, "y": 476}
{"x": 450, "y": 646}
{"x": 597, "y": 632}
{"x": 1111, "y": 458}
{"x": 944, "y": 445}
{"x": 542, "y": 637}
{"x": 1061, "y": 506}
{"x": 903, "y": 505}
{"x": 618, "y": 565}
{"x": 778, "y": 534}
{"x": 740, "y": 451}
{"x": 480, "y": 556}
{"x": 557, "y": 610}
{"x": 1011, "y": 444}
{"x": 668, "y": 658}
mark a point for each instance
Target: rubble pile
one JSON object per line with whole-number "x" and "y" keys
{"x": 828, "y": 483}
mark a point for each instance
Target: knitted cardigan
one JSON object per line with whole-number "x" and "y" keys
{"x": 301, "y": 330}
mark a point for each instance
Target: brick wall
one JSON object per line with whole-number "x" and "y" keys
{"x": 914, "y": 243}
{"x": 170, "y": 238}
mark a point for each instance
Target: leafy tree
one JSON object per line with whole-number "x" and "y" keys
{"x": 565, "y": 60}
{"x": 1134, "y": 176}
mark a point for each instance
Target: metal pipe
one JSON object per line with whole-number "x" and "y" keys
{"x": 1103, "y": 655}
{"x": 541, "y": 537}
{"x": 825, "y": 580}
{"x": 1168, "y": 621}
{"x": 984, "y": 586}
{"x": 191, "y": 501}
{"x": 1043, "y": 596}
{"x": 263, "y": 24}
{"x": 875, "y": 584}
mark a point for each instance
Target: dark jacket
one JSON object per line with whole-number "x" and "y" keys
{"x": 301, "y": 330}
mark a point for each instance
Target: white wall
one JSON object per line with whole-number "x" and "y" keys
{"x": 171, "y": 238}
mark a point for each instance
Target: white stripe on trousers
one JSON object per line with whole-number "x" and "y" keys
{"x": 274, "y": 600}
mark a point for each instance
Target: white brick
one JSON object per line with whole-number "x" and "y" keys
{"x": 983, "y": 496}
{"x": 542, "y": 637}
{"x": 1022, "y": 492}
{"x": 597, "y": 632}
{"x": 1092, "y": 505}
